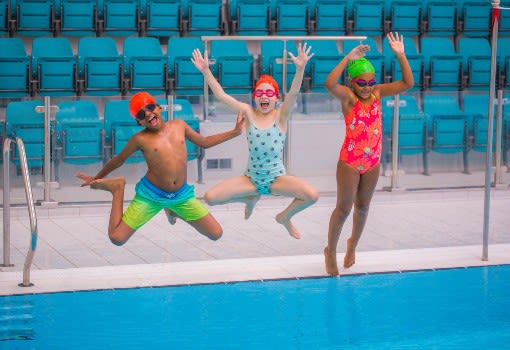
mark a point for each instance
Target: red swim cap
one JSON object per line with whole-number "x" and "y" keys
{"x": 264, "y": 78}
{"x": 138, "y": 101}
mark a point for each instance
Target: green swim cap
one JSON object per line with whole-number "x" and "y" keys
{"x": 360, "y": 66}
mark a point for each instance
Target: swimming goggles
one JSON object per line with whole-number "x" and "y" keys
{"x": 260, "y": 93}
{"x": 147, "y": 108}
{"x": 363, "y": 83}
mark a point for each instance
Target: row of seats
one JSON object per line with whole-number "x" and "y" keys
{"x": 79, "y": 135}
{"x": 443, "y": 123}
{"x": 98, "y": 69}
{"x": 247, "y": 17}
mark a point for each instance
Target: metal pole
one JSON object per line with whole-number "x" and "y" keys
{"x": 206, "y": 87}
{"x": 47, "y": 149}
{"x": 488, "y": 153}
{"x": 7, "y": 203}
{"x": 32, "y": 215}
{"x": 170, "y": 109}
{"x": 499, "y": 126}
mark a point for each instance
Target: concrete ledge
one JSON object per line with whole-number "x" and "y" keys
{"x": 236, "y": 270}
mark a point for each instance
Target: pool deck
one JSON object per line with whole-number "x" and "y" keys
{"x": 406, "y": 230}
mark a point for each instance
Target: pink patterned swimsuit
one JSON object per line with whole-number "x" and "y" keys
{"x": 363, "y": 135}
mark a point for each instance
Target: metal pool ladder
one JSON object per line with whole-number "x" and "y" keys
{"x": 7, "y": 208}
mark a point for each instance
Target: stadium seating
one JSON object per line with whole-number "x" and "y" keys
{"x": 405, "y": 17}
{"x": 504, "y": 62}
{"x": 205, "y": 17}
{"x": 233, "y": 66}
{"x": 292, "y": 17}
{"x": 250, "y": 17}
{"x": 120, "y": 17}
{"x": 145, "y": 65}
{"x": 78, "y": 17}
{"x": 392, "y": 66}
{"x": 22, "y": 120}
{"x": 368, "y": 18}
{"x": 185, "y": 79}
{"x": 163, "y": 18}
{"x": 330, "y": 17}
{"x": 182, "y": 110}
{"x": 119, "y": 126}
{"x": 54, "y": 66}
{"x": 413, "y": 134}
{"x": 79, "y": 133}
{"x": 476, "y": 62}
{"x": 325, "y": 58}
{"x": 475, "y": 18}
{"x": 34, "y": 17}
{"x": 15, "y": 68}
{"x": 441, "y": 18}
{"x": 442, "y": 64}
{"x": 271, "y": 60}
{"x": 448, "y": 125}
{"x": 100, "y": 67}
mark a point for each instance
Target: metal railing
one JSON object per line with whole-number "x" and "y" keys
{"x": 7, "y": 208}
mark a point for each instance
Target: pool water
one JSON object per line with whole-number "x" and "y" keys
{"x": 465, "y": 308}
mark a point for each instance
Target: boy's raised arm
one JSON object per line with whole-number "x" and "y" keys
{"x": 213, "y": 140}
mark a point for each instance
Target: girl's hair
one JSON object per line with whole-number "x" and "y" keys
{"x": 267, "y": 79}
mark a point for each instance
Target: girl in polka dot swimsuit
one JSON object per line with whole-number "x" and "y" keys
{"x": 266, "y": 128}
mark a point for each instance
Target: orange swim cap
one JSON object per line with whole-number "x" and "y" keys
{"x": 138, "y": 101}
{"x": 264, "y": 78}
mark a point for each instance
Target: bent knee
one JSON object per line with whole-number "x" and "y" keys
{"x": 313, "y": 196}
{"x": 116, "y": 240}
{"x": 209, "y": 198}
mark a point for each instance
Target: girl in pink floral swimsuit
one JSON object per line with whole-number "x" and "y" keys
{"x": 363, "y": 135}
{"x": 358, "y": 165}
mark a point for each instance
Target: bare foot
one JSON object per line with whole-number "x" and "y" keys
{"x": 250, "y": 205}
{"x": 350, "y": 254}
{"x": 293, "y": 231}
{"x": 170, "y": 215}
{"x": 330, "y": 261}
{"x": 110, "y": 184}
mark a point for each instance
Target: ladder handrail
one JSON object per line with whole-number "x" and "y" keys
{"x": 7, "y": 207}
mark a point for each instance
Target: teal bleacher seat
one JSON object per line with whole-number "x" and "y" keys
{"x": 15, "y": 69}
{"x": 54, "y": 66}
{"x": 476, "y": 18}
{"x": 448, "y": 125}
{"x": 250, "y": 17}
{"x": 183, "y": 110}
{"x": 504, "y": 23}
{"x": 413, "y": 134}
{"x": 271, "y": 61}
{"x": 233, "y": 66}
{"x": 292, "y": 17}
{"x": 187, "y": 80}
{"x": 442, "y": 64}
{"x": 441, "y": 17}
{"x": 405, "y": 17}
{"x": 34, "y": 17}
{"x": 506, "y": 130}
{"x": 145, "y": 65}
{"x": 120, "y": 17}
{"x": 164, "y": 18}
{"x": 119, "y": 126}
{"x": 374, "y": 55}
{"x": 21, "y": 120}
{"x": 368, "y": 17}
{"x": 476, "y": 61}
{"x": 100, "y": 67}
{"x": 5, "y": 13}
{"x": 504, "y": 62}
{"x": 330, "y": 17}
{"x": 326, "y": 57}
{"x": 79, "y": 133}
{"x": 475, "y": 107}
{"x": 78, "y": 17}
{"x": 392, "y": 66}
{"x": 205, "y": 17}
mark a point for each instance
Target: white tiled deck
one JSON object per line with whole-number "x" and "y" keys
{"x": 406, "y": 230}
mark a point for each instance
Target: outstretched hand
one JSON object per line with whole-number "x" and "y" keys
{"x": 358, "y": 52}
{"x": 303, "y": 55}
{"x": 201, "y": 62}
{"x": 239, "y": 122}
{"x": 396, "y": 42}
{"x": 87, "y": 179}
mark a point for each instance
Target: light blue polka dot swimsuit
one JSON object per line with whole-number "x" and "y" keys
{"x": 265, "y": 161}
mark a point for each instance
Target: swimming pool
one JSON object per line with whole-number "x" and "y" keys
{"x": 465, "y": 308}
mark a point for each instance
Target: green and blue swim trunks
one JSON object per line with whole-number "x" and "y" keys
{"x": 150, "y": 200}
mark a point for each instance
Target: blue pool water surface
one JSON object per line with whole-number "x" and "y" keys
{"x": 445, "y": 309}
